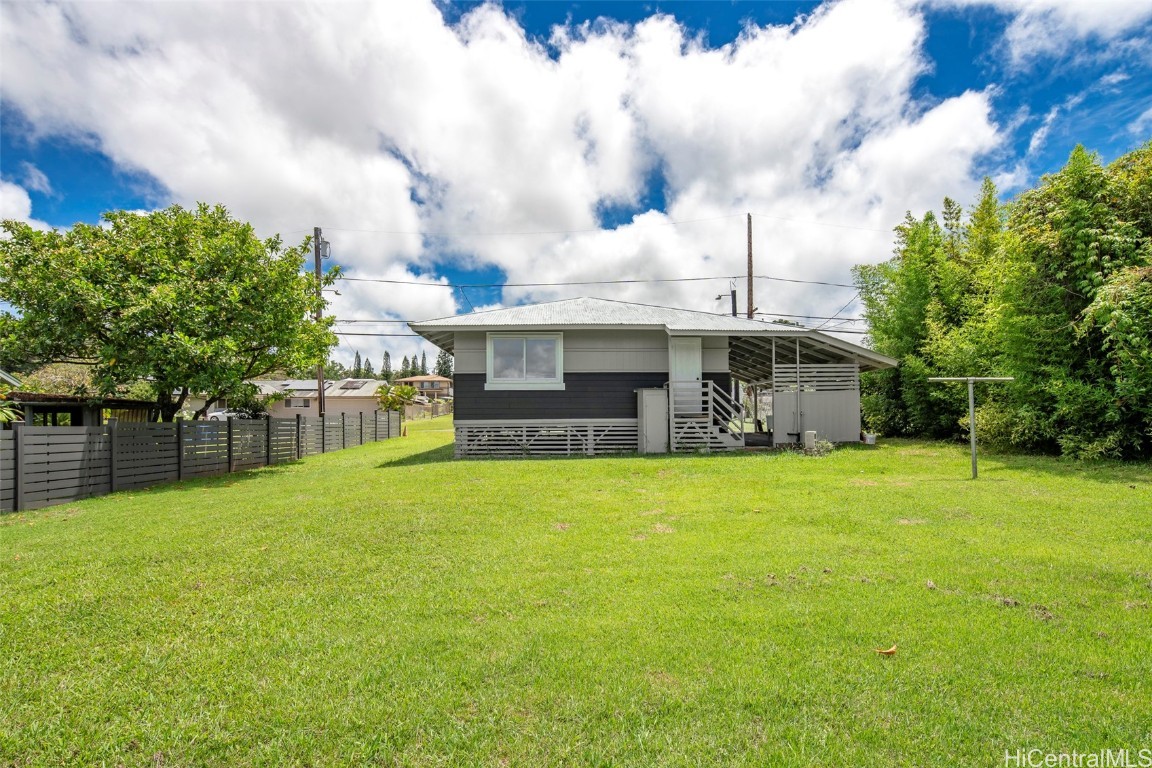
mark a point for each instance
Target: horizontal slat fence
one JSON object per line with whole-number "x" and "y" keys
{"x": 56, "y": 465}
{"x": 42, "y": 466}
{"x": 282, "y": 437}
{"x": 333, "y": 434}
{"x": 7, "y": 472}
{"x": 146, "y": 454}
{"x": 311, "y": 435}
{"x": 205, "y": 446}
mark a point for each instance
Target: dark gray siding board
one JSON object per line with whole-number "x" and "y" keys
{"x": 585, "y": 396}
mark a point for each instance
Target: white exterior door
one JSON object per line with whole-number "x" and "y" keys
{"x": 685, "y": 360}
{"x": 685, "y": 364}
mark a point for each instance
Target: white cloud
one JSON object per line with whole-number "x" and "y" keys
{"x": 1042, "y": 28}
{"x": 16, "y": 204}
{"x": 1040, "y": 135}
{"x": 415, "y": 143}
{"x": 35, "y": 179}
{"x": 1141, "y": 125}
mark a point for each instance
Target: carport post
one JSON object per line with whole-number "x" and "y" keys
{"x": 972, "y": 405}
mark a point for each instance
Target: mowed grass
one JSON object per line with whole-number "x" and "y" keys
{"x": 389, "y": 605}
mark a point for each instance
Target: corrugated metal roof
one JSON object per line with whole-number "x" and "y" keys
{"x": 586, "y": 312}
{"x": 572, "y": 314}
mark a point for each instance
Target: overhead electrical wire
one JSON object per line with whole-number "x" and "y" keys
{"x": 591, "y": 282}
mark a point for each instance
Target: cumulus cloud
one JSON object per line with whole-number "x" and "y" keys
{"x": 416, "y": 143}
{"x": 16, "y": 204}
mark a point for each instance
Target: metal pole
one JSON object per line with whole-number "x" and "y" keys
{"x": 972, "y": 422}
{"x": 971, "y": 405}
{"x": 316, "y": 238}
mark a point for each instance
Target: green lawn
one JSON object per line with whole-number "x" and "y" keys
{"x": 388, "y": 605}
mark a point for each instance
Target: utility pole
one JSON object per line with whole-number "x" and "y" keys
{"x": 316, "y": 240}
{"x": 753, "y": 393}
{"x": 751, "y": 308}
{"x": 972, "y": 405}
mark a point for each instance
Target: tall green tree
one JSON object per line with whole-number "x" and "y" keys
{"x": 386, "y": 367}
{"x": 368, "y": 372}
{"x": 423, "y": 363}
{"x": 357, "y": 367}
{"x": 443, "y": 364}
{"x": 405, "y": 368}
{"x": 190, "y": 300}
{"x": 1053, "y": 289}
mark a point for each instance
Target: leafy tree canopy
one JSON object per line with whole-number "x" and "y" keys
{"x": 189, "y": 300}
{"x": 1054, "y": 289}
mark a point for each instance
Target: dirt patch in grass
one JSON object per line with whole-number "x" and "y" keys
{"x": 661, "y": 528}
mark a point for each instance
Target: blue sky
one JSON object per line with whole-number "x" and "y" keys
{"x": 539, "y": 141}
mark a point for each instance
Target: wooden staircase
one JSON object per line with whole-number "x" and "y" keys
{"x": 702, "y": 417}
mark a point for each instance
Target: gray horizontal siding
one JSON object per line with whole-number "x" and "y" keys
{"x": 585, "y": 396}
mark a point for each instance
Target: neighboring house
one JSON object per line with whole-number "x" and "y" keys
{"x": 431, "y": 387}
{"x": 51, "y": 410}
{"x": 593, "y": 376}
{"x": 350, "y": 396}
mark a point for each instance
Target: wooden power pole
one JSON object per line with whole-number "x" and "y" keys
{"x": 316, "y": 240}
{"x": 751, "y": 308}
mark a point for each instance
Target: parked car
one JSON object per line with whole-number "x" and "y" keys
{"x": 225, "y": 415}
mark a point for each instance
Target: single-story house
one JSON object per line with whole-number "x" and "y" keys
{"x": 592, "y": 376}
{"x": 350, "y": 396}
{"x": 431, "y": 387}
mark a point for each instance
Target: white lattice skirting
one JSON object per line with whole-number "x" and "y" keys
{"x": 564, "y": 437}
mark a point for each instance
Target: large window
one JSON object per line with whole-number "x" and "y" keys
{"x": 525, "y": 361}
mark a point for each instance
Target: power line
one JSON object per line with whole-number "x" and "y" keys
{"x": 456, "y": 286}
{"x": 371, "y": 321}
{"x": 854, "y": 297}
{"x": 806, "y": 282}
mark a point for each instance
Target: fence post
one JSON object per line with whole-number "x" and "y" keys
{"x": 114, "y": 479}
{"x": 231, "y": 452}
{"x": 361, "y": 427}
{"x": 179, "y": 448}
{"x": 268, "y": 442}
{"x": 299, "y": 433}
{"x": 323, "y": 434}
{"x": 18, "y": 466}
{"x": 343, "y": 432}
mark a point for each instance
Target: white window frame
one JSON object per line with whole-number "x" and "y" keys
{"x": 554, "y": 384}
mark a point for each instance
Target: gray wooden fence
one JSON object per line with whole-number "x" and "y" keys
{"x": 42, "y": 466}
